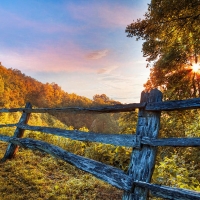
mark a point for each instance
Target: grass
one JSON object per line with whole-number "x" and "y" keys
{"x": 38, "y": 176}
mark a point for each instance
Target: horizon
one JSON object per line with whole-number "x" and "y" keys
{"x": 80, "y": 46}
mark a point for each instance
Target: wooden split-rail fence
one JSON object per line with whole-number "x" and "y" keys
{"x": 137, "y": 182}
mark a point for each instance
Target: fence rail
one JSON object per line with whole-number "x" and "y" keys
{"x": 151, "y": 106}
{"x": 127, "y": 140}
{"x": 136, "y": 182}
{"x": 99, "y": 109}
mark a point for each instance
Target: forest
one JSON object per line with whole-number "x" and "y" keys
{"x": 170, "y": 31}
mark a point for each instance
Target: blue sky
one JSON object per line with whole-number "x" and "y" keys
{"x": 79, "y": 44}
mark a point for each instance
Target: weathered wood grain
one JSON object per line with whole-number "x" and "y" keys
{"x": 7, "y": 125}
{"x": 143, "y": 160}
{"x": 174, "y": 142}
{"x": 127, "y": 140}
{"x": 109, "y": 174}
{"x": 173, "y": 105}
{"x": 150, "y": 106}
{"x": 5, "y": 138}
{"x": 99, "y": 109}
{"x": 169, "y": 192}
{"x": 115, "y": 139}
{"x": 12, "y": 148}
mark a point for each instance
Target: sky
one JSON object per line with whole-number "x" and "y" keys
{"x": 79, "y": 44}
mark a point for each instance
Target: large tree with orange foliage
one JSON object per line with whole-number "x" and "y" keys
{"x": 170, "y": 31}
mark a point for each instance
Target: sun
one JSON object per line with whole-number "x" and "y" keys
{"x": 195, "y": 67}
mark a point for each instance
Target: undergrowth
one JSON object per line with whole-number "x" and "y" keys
{"x": 35, "y": 175}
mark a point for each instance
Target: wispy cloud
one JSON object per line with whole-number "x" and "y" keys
{"x": 121, "y": 87}
{"x": 66, "y": 57}
{"x": 107, "y": 70}
{"x": 117, "y": 15}
{"x": 104, "y": 14}
{"x": 95, "y": 55}
{"x": 47, "y": 58}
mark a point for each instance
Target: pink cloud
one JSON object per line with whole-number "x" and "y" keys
{"x": 95, "y": 55}
{"x": 118, "y": 15}
{"x": 102, "y": 71}
{"x": 66, "y": 57}
{"x": 107, "y": 70}
{"x": 105, "y": 15}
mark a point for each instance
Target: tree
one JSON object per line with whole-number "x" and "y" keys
{"x": 1, "y": 90}
{"x": 171, "y": 32}
{"x": 101, "y": 99}
{"x": 128, "y": 122}
{"x": 1, "y": 85}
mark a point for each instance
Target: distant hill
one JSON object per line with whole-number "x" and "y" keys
{"x": 16, "y": 89}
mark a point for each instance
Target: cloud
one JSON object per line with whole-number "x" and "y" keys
{"x": 117, "y": 15}
{"x": 55, "y": 57}
{"x": 120, "y": 87}
{"x": 107, "y": 70}
{"x": 95, "y": 55}
{"x": 45, "y": 58}
{"x": 106, "y": 14}
{"x": 101, "y": 71}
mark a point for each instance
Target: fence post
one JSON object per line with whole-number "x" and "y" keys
{"x": 143, "y": 157}
{"x": 12, "y": 148}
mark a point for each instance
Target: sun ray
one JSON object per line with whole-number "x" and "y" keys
{"x": 195, "y": 67}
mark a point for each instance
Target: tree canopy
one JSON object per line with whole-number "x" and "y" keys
{"x": 170, "y": 30}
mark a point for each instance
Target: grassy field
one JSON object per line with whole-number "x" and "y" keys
{"x": 37, "y": 176}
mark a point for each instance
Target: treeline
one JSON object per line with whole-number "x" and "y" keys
{"x": 16, "y": 89}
